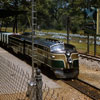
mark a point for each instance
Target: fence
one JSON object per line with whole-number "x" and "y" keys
{"x": 13, "y": 81}
{"x": 14, "y": 84}
{"x": 54, "y": 94}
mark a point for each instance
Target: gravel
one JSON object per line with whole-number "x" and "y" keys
{"x": 90, "y": 64}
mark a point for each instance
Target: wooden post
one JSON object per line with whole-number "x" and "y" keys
{"x": 88, "y": 43}
{"x": 68, "y": 25}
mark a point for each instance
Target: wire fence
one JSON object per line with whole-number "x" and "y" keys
{"x": 14, "y": 84}
{"x": 13, "y": 81}
{"x": 53, "y": 94}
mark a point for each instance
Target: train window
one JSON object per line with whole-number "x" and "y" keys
{"x": 27, "y": 33}
{"x": 35, "y": 45}
{"x": 46, "y": 49}
{"x": 41, "y": 47}
{"x": 30, "y": 47}
{"x": 70, "y": 47}
{"x": 59, "y": 47}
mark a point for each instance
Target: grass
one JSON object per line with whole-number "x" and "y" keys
{"x": 52, "y": 30}
{"x": 8, "y": 29}
{"x": 81, "y": 47}
{"x": 63, "y": 31}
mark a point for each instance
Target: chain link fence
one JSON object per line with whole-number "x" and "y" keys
{"x": 53, "y": 94}
{"x": 15, "y": 84}
{"x": 13, "y": 81}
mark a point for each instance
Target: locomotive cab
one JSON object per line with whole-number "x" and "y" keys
{"x": 65, "y": 60}
{"x": 57, "y": 48}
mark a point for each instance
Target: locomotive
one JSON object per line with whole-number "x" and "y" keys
{"x": 60, "y": 57}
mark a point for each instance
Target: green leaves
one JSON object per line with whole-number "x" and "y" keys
{"x": 53, "y": 13}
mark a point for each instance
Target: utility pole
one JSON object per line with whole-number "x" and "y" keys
{"x": 95, "y": 47}
{"x": 36, "y": 73}
{"x": 33, "y": 35}
{"x": 88, "y": 43}
{"x": 88, "y": 34}
{"x": 34, "y": 91}
{"x": 68, "y": 26}
{"x": 15, "y": 22}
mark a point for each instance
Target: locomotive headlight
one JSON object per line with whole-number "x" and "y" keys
{"x": 70, "y": 60}
{"x": 53, "y": 56}
{"x": 68, "y": 54}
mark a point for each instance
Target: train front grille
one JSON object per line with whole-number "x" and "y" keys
{"x": 75, "y": 64}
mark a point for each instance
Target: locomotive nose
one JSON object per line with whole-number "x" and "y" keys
{"x": 69, "y": 60}
{"x": 68, "y": 54}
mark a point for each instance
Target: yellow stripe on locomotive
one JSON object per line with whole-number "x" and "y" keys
{"x": 60, "y": 57}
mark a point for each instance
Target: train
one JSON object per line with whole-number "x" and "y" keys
{"x": 60, "y": 57}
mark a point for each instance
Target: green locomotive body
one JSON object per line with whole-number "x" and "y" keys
{"x": 61, "y": 58}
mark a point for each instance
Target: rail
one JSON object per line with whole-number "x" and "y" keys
{"x": 85, "y": 88}
{"x": 89, "y": 57}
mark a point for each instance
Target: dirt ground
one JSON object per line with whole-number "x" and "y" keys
{"x": 66, "y": 92}
{"x": 91, "y": 76}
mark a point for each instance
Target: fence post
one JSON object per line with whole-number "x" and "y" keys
{"x": 38, "y": 84}
{"x": 31, "y": 92}
{"x": 68, "y": 28}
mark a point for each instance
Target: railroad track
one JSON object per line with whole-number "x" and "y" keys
{"x": 85, "y": 88}
{"x": 94, "y": 58}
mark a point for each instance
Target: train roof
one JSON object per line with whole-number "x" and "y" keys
{"x": 48, "y": 43}
{"x": 41, "y": 41}
{"x": 44, "y": 42}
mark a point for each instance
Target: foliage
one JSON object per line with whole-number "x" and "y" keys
{"x": 52, "y": 14}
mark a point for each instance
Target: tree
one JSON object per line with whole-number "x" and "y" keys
{"x": 52, "y": 13}
{"x": 18, "y": 5}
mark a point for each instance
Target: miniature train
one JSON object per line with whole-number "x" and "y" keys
{"x": 60, "y": 57}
